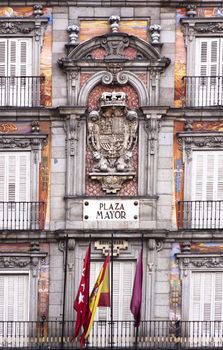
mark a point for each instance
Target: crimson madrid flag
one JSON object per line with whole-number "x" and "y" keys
{"x": 136, "y": 300}
{"x": 82, "y": 298}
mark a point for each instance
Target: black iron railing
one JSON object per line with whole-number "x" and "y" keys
{"x": 22, "y": 215}
{"x": 200, "y": 214}
{"x": 17, "y": 91}
{"x": 202, "y": 91}
{"x": 119, "y": 334}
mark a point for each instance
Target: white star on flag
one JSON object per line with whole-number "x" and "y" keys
{"x": 81, "y": 298}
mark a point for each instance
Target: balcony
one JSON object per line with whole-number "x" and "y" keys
{"x": 18, "y": 91}
{"x": 202, "y": 91}
{"x": 119, "y": 334}
{"x": 200, "y": 215}
{"x": 22, "y": 215}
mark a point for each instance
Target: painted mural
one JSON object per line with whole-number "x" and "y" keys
{"x": 46, "y": 52}
{"x": 89, "y": 29}
{"x": 180, "y": 62}
{"x": 175, "y": 284}
{"x": 43, "y": 284}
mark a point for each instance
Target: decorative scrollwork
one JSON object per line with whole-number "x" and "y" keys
{"x": 122, "y": 78}
{"x": 107, "y": 78}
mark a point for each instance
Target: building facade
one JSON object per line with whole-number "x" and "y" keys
{"x": 111, "y": 134}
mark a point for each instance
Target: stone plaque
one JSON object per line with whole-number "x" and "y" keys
{"x": 111, "y": 210}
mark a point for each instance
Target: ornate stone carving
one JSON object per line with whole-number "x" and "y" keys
{"x": 114, "y": 23}
{"x": 201, "y": 262}
{"x": 35, "y": 127}
{"x": 112, "y": 134}
{"x": 114, "y": 46}
{"x": 152, "y": 127}
{"x": 191, "y": 10}
{"x": 23, "y": 142}
{"x": 209, "y": 28}
{"x": 155, "y": 33}
{"x": 73, "y": 31}
{"x": 14, "y": 261}
{"x": 105, "y": 246}
{"x": 16, "y": 27}
{"x": 37, "y": 10}
{"x": 191, "y": 141}
{"x": 194, "y": 26}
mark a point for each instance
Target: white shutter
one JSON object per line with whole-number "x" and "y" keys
{"x": 123, "y": 276}
{"x": 207, "y": 56}
{"x": 207, "y": 179}
{"x": 3, "y": 183}
{"x": 206, "y": 296}
{"x": 14, "y": 297}
{"x": 13, "y": 64}
{"x": 20, "y": 57}
{"x": 3, "y": 57}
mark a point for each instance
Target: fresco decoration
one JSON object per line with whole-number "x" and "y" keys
{"x": 180, "y": 58}
{"x": 206, "y": 248}
{"x": 175, "y": 284}
{"x": 43, "y": 284}
{"x": 90, "y": 29}
{"x": 130, "y": 187}
{"x": 44, "y": 172}
{"x": 46, "y": 52}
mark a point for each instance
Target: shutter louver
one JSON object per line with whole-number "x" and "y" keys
{"x": 218, "y": 297}
{"x": 3, "y": 57}
{"x": 13, "y": 57}
{"x": 12, "y": 178}
{"x": 2, "y": 178}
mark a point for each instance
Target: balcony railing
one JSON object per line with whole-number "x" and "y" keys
{"x": 119, "y": 334}
{"x": 17, "y": 91}
{"x": 22, "y": 215}
{"x": 200, "y": 214}
{"x": 203, "y": 91}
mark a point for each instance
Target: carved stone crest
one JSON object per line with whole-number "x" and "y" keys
{"x": 112, "y": 134}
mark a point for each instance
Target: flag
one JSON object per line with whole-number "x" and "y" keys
{"x": 94, "y": 300}
{"x": 105, "y": 291}
{"x": 82, "y": 298}
{"x": 136, "y": 300}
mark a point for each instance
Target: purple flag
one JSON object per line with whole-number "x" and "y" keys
{"x": 136, "y": 300}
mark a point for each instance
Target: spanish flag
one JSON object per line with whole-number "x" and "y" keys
{"x": 95, "y": 297}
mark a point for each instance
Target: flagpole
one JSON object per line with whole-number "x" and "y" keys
{"x": 137, "y": 328}
{"x": 64, "y": 290}
{"x": 111, "y": 309}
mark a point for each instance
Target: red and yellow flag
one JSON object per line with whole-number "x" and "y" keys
{"x": 95, "y": 297}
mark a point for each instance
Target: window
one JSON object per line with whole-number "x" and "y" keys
{"x": 16, "y": 83}
{"x": 14, "y": 300}
{"x": 208, "y": 68}
{"x": 206, "y": 304}
{"x": 123, "y": 275}
{"x": 14, "y": 297}
{"x": 15, "y": 208}
{"x": 207, "y": 189}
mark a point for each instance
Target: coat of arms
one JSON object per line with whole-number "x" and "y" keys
{"x": 112, "y": 135}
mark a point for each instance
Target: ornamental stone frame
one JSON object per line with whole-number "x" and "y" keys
{"x": 189, "y": 263}
{"x": 30, "y": 28}
{"x": 24, "y": 263}
{"x": 32, "y": 143}
{"x": 194, "y": 27}
{"x": 114, "y": 70}
{"x": 195, "y": 141}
